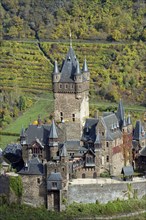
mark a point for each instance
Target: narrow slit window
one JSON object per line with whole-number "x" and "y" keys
{"x": 73, "y": 117}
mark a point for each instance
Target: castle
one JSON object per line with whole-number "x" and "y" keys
{"x": 74, "y": 145}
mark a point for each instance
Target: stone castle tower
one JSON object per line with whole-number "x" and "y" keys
{"x": 71, "y": 90}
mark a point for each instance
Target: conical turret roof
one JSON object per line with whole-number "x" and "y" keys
{"x": 85, "y": 67}
{"x": 53, "y": 131}
{"x": 22, "y": 134}
{"x": 55, "y": 71}
{"x": 63, "y": 151}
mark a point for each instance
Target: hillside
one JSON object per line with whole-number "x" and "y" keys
{"x": 33, "y": 34}
{"x": 95, "y": 19}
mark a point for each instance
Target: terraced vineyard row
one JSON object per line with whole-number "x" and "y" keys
{"x": 23, "y": 64}
{"x": 117, "y": 70}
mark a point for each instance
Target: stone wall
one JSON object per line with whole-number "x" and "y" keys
{"x": 89, "y": 193}
{"x": 4, "y": 185}
{"x": 34, "y": 190}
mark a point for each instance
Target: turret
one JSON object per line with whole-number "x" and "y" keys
{"x": 56, "y": 73}
{"x": 78, "y": 75}
{"x": 120, "y": 114}
{"x": 53, "y": 142}
{"x": 85, "y": 70}
{"x": 64, "y": 154}
{"x": 23, "y": 137}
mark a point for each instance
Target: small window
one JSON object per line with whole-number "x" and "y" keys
{"x": 60, "y": 86}
{"x": 72, "y": 86}
{"x": 102, "y": 133}
{"x": 73, "y": 117}
{"x": 63, "y": 169}
{"x": 54, "y": 184}
{"x": 66, "y": 86}
{"x": 38, "y": 180}
{"x": 107, "y": 159}
{"x": 107, "y": 144}
{"x": 61, "y": 116}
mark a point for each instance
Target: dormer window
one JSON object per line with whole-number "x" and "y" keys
{"x": 69, "y": 59}
{"x": 54, "y": 184}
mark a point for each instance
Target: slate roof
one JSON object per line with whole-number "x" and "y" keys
{"x": 40, "y": 132}
{"x": 69, "y": 66}
{"x": 12, "y": 153}
{"x": 85, "y": 67}
{"x": 139, "y": 132}
{"x": 108, "y": 122}
{"x": 127, "y": 171}
{"x": 89, "y": 132}
{"x": 63, "y": 151}
{"x": 33, "y": 167}
{"x": 143, "y": 152}
{"x": 55, "y": 177}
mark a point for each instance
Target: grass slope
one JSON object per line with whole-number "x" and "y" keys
{"x": 42, "y": 107}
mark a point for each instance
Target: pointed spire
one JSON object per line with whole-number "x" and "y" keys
{"x": 63, "y": 151}
{"x": 137, "y": 131}
{"x": 22, "y": 132}
{"x": 85, "y": 67}
{"x": 56, "y": 71}
{"x": 120, "y": 113}
{"x": 53, "y": 131}
{"x": 78, "y": 68}
{"x": 124, "y": 122}
{"x": 129, "y": 120}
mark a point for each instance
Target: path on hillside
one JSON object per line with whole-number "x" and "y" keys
{"x": 132, "y": 214}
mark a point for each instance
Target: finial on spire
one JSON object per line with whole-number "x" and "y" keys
{"x": 70, "y": 39}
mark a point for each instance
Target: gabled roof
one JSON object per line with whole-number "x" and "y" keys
{"x": 40, "y": 132}
{"x": 33, "y": 167}
{"x": 111, "y": 132}
{"x": 55, "y": 177}
{"x": 139, "y": 132}
{"x": 53, "y": 131}
{"x": 127, "y": 171}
